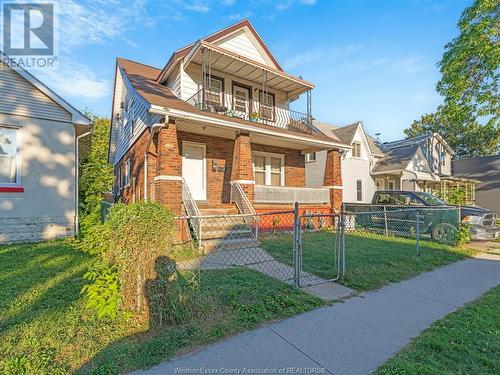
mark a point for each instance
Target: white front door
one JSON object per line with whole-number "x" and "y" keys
{"x": 194, "y": 170}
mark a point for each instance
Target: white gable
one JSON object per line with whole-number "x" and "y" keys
{"x": 418, "y": 163}
{"x": 244, "y": 43}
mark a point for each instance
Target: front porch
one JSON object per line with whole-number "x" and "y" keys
{"x": 219, "y": 167}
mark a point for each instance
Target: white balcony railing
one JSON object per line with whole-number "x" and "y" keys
{"x": 290, "y": 195}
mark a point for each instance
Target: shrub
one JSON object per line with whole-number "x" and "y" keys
{"x": 96, "y": 174}
{"x": 463, "y": 235}
{"x": 103, "y": 293}
{"x": 129, "y": 244}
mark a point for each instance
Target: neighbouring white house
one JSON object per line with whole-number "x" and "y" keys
{"x": 39, "y": 133}
{"x": 421, "y": 163}
{"x": 357, "y": 163}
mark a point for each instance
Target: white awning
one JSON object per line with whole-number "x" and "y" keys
{"x": 243, "y": 67}
{"x": 420, "y": 176}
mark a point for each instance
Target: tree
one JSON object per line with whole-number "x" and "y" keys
{"x": 96, "y": 174}
{"x": 469, "y": 118}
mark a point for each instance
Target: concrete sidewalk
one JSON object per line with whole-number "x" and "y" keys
{"x": 354, "y": 337}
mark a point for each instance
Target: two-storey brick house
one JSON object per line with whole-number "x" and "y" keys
{"x": 214, "y": 130}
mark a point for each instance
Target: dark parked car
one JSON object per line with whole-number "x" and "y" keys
{"x": 435, "y": 220}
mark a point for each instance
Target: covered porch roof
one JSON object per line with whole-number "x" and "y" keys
{"x": 229, "y": 62}
{"x": 219, "y": 126}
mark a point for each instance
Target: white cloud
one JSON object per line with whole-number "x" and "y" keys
{"x": 72, "y": 79}
{"x": 285, "y": 4}
{"x": 239, "y": 16}
{"x": 320, "y": 54}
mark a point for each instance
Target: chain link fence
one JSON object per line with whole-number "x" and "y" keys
{"x": 303, "y": 248}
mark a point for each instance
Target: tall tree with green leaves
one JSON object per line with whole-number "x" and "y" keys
{"x": 96, "y": 174}
{"x": 469, "y": 118}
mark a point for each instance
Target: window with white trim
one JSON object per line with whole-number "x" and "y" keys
{"x": 266, "y": 107}
{"x": 9, "y": 156}
{"x": 269, "y": 169}
{"x": 356, "y": 151}
{"x": 310, "y": 156}
{"x": 214, "y": 92}
{"x": 359, "y": 190}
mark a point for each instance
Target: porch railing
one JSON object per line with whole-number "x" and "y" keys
{"x": 290, "y": 195}
{"x": 192, "y": 210}
{"x": 277, "y": 116}
{"x": 241, "y": 200}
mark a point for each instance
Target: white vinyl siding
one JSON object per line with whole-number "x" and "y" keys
{"x": 133, "y": 120}
{"x": 174, "y": 81}
{"x": 240, "y": 43}
{"x": 20, "y": 97}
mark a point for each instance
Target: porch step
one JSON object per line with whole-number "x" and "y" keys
{"x": 229, "y": 244}
{"x": 221, "y": 209}
{"x": 226, "y": 234}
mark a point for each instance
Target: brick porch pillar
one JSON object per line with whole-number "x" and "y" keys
{"x": 242, "y": 168}
{"x": 168, "y": 178}
{"x": 333, "y": 179}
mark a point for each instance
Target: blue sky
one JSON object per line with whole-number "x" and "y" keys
{"x": 371, "y": 60}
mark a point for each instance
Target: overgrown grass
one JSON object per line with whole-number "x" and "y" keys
{"x": 465, "y": 342}
{"x": 45, "y": 329}
{"x": 372, "y": 260}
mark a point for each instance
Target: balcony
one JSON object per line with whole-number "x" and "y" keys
{"x": 209, "y": 100}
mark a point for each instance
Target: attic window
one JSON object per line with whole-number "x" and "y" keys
{"x": 356, "y": 151}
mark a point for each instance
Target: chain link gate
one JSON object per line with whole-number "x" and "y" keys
{"x": 319, "y": 240}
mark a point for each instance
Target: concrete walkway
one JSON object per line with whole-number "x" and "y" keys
{"x": 354, "y": 337}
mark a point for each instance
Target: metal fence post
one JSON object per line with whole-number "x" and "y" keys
{"x": 417, "y": 229}
{"x": 296, "y": 245}
{"x": 343, "y": 215}
{"x": 385, "y": 221}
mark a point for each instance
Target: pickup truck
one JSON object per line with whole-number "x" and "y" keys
{"x": 439, "y": 224}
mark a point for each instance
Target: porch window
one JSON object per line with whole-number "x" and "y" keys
{"x": 266, "y": 106}
{"x": 356, "y": 151}
{"x": 259, "y": 167}
{"x": 214, "y": 92}
{"x": 359, "y": 190}
{"x": 268, "y": 169}
{"x": 9, "y": 156}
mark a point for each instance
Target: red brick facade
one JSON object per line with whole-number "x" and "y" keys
{"x": 226, "y": 160}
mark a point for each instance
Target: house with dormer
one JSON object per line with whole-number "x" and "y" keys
{"x": 215, "y": 130}
{"x": 357, "y": 162}
{"x": 421, "y": 163}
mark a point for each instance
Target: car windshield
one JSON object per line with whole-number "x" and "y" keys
{"x": 431, "y": 200}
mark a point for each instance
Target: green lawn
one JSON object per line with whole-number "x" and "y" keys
{"x": 372, "y": 260}
{"x": 44, "y": 328}
{"x": 465, "y": 342}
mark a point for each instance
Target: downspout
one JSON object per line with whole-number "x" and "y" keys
{"x": 77, "y": 181}
{"x": 154, "y": 129}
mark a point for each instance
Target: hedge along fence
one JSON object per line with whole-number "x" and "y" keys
{"x": 130, "y": 244}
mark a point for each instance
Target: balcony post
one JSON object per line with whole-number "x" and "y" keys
{"x": 309, "y": 107}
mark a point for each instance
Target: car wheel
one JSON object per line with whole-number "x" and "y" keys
{"x": 444, "y": 233}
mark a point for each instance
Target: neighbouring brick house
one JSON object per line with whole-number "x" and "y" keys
{"x": 213, "y": 132}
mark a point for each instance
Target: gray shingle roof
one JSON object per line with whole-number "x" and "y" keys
{"x": 346, "y": 134}
{"x": 396, "y": 159}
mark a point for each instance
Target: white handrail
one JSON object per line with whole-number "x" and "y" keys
{"x": 192, "y": 210}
